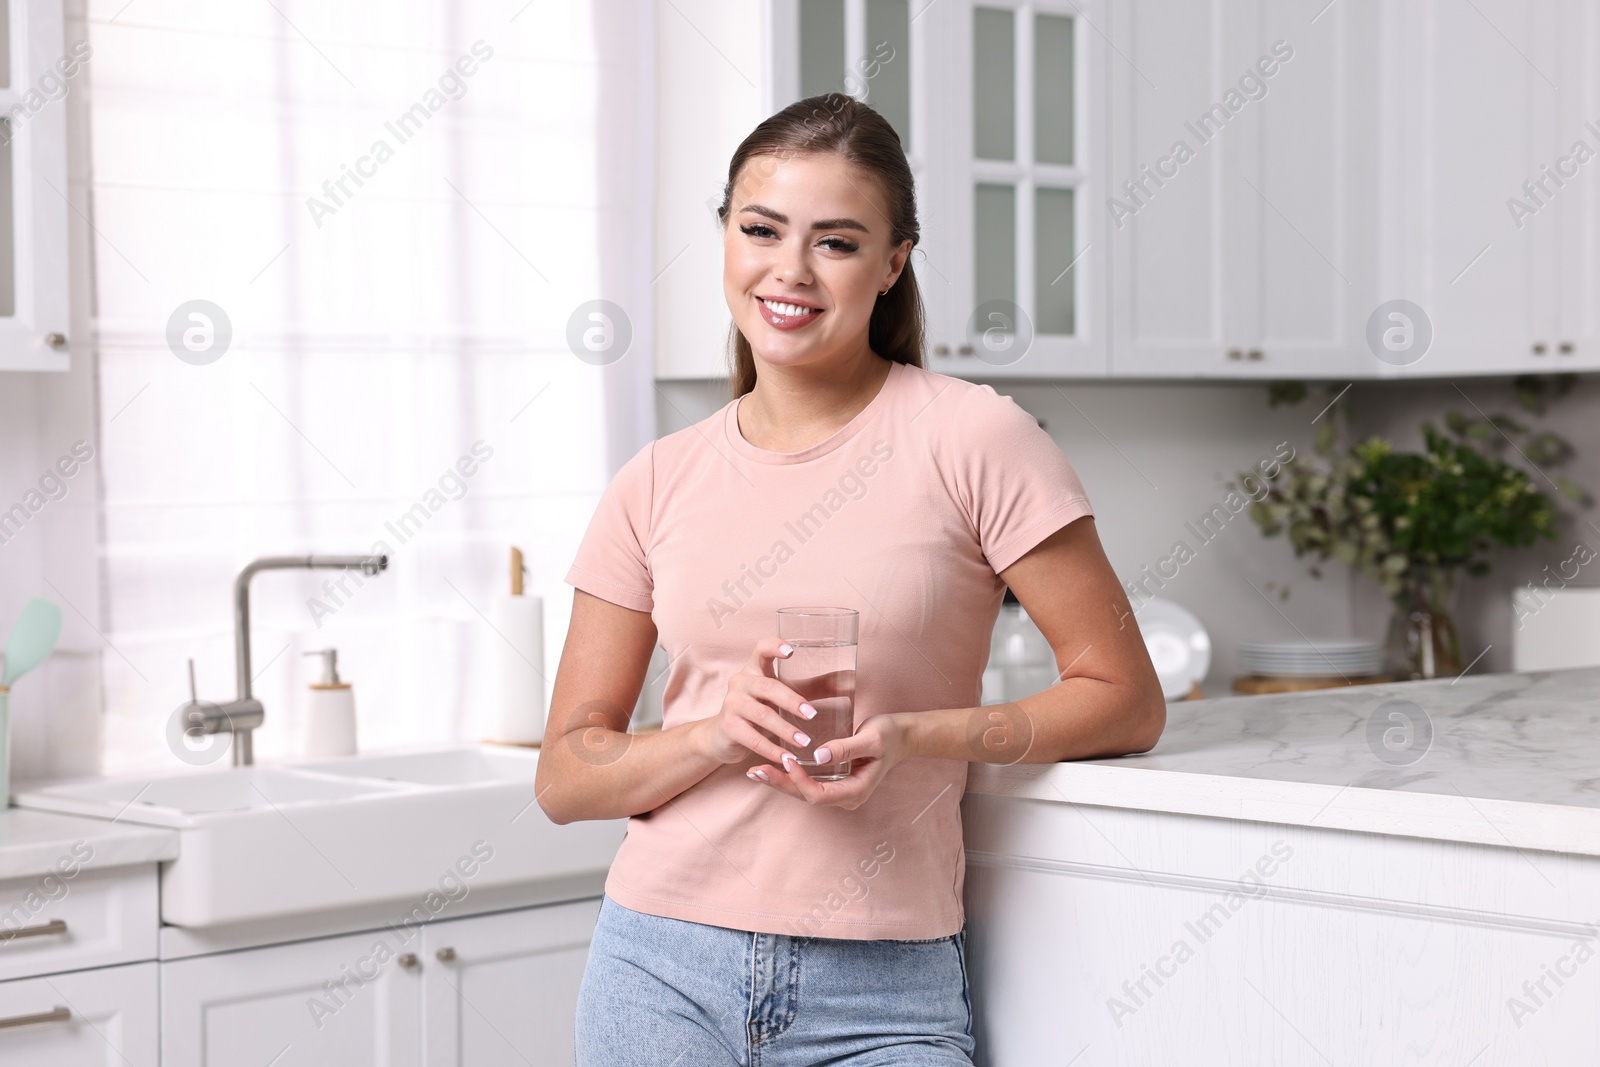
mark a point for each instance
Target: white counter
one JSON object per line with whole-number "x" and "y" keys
{"x": 1513, "y": 760}
{"x": 32, "y": 843}
{"x": 1388, "y": 874}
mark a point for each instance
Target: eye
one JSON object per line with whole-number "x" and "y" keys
{"x": 757, "y": 229}
{"x": 839, "y": 244}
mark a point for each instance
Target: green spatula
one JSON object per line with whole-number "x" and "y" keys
{"x": 32, "y": 638}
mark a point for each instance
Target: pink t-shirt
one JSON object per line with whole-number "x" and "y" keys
{"x": 905, "y": 514}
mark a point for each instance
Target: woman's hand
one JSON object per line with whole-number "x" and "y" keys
{"x": 731, "y": 735}
{"x": 873, "y": 750}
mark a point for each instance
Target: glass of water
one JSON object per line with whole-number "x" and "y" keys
{"x": 823, "y": 671}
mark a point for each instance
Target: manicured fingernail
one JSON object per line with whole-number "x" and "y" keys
{"x": 801, "y": 739}
{"x": 808, "y": 711}
{"x": 784, "y": 650}
{"x": 756, "y": 773}
{"x": 789, "y": 761}
{"x": 823, "y": 755}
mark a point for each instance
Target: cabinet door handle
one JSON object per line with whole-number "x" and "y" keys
{"x": 446, "y": 954}
{"x": 49, "y": 929}
{"x": 1234, "y": 353}
{"x": 1539, "y": 348}
{"x": 57, "y": 341}
{"x": 1566, "y": 348}
{"x": 57, "y": 1014}
{"x": 1254, "y": 353}
{"x": 964, "y": 350}
{"x": 941, "y": 350}
{"x": 407, "y": 960}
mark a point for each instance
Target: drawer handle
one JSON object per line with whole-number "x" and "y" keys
{"x": 57, "y": 1014}
{"x": 49, "y": 929}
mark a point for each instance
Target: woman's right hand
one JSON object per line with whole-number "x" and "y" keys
{"x": 731, "y": 735}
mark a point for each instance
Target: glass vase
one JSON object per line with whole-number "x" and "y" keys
{"x": 1423, "y": 641}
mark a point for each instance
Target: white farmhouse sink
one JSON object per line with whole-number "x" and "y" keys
{"x": 185, "y": 799}
{"x": 271, "y": 841}
{"x": 455, "y": 766}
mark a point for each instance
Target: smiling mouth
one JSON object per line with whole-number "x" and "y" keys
{"x": 788, "y": 311}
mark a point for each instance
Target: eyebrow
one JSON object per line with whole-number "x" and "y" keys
{"x": 821, "y": 224}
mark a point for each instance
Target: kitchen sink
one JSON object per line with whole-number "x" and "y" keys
{"x": 457, "y": 766}
{"x": 268, "y": 841}
{"x": 179, "y": 800}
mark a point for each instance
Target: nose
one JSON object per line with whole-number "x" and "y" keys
{"x": 793, "y": 263}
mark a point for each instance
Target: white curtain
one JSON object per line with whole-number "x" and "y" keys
{"x": 398, "y": 208}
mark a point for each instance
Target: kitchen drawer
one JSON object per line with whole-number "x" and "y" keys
{"x": 51, "y": 923}
{"x": 99, "y": 1018}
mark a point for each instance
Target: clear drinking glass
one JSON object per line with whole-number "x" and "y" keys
{"x": 823, "y": 671}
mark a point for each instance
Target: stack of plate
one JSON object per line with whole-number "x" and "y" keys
{"x": 1322, "y": 657}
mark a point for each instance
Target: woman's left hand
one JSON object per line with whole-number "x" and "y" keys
{"x": 873, "y": 750}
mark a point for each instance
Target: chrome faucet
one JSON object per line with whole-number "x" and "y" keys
{"x": 244, "y": 714}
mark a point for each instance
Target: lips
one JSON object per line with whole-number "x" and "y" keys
{"x": 784, "y": 315}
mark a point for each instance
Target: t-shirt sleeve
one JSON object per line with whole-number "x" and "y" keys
{"x": 612, "y": 561}
{"x": 1015, "y": 483}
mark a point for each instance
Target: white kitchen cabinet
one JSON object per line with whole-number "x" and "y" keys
{"x": 501, "y": 990}
{"x": 1575, "y": 336}
{"x": 1028, "y": 163}
{"x": 352, "y": 1001}
{"x": 1245, "y": 166}
{"x": 483, "y": 991}
{"x": 96, "y": 1018}
{"x": 95, "y": 918}
{"x": 1001, "y": 107}
{"x": 1122, "y": 936}
{"x": 895, "y": 59}
{"x": 1479, "y": 115}
{"x": 1382, "y": 159}
{"x": 38, "y": 69}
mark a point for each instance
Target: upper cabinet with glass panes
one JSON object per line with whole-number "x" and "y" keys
{"x": 1238, "y": 188}
{"x": 38, "y": 70}
{"x": 998, "y": 107}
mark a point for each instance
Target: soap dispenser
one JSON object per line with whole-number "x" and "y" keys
{"x": 329, "y": 725}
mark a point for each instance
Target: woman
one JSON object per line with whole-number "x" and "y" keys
{"x": 754, "y": 915}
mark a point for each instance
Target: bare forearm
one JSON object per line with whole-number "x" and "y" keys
{"x": 1078, "y": 718}
{"x": 594, "y": 772}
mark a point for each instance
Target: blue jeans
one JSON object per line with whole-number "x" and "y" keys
{"x": 661, "y": 992}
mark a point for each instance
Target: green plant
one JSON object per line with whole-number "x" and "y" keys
{"x": 1475, "y": 486}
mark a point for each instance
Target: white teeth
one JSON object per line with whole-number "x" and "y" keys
{"x": 788, "y": 310}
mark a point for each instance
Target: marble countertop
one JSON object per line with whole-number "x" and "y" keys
{"x": 32, "y": 843}
{"x": 1502, "y": 759}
